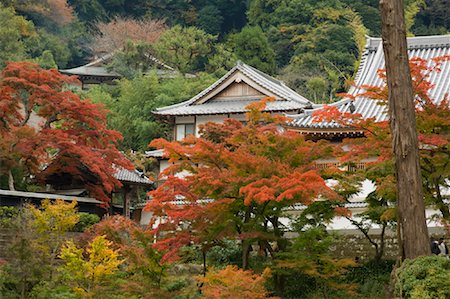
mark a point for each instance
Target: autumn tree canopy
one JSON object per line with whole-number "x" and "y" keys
{"x": 236, "y": 182}
{"x": 46, "y": 129}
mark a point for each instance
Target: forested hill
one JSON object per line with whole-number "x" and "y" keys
{"x": 312, "y": 45}
{"x": 323, "y": 37}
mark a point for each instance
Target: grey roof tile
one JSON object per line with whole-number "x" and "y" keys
{"x": 288, "y": 99}
{"x": 425, "y": 47}
{"x": 132, "y": 176}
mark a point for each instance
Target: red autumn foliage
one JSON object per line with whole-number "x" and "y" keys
{"x": 235, "y": 182}
{"x": 46, "y": 129}
{"x": 433, "y": 125}
{"x": 234, "y": 283}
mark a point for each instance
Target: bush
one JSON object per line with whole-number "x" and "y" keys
{"x": 372, "y": 278}
{"x": 7, "y": 214}
{"x": 423, "y": 277}
{"x": 86, "y": 221}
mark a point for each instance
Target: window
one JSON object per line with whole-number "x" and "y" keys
{"x": 183, "y": 130}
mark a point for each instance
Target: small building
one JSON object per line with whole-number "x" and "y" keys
{"x": 228, "y": 97}
{"x": 123, "y": 200}
{"x": 97, "y": 71}
{"x": 94, "y": 72}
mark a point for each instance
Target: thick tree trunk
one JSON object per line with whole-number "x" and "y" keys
{"x": 411, "y": 208}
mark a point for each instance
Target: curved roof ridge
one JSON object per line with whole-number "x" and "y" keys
{"x": 268, "y": 82}
{"x": 202, "y": 93}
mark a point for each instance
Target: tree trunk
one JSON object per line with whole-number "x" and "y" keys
{"x": 411, "y": 208}
{"x": 246, "y": 247}
{"x": 11, "y": 181}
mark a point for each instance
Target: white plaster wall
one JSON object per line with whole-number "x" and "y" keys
{"x": 203, "y": 119}
{"x": 184, "y": 119}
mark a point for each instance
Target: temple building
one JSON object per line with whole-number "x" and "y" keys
{"x": 242, "y": 85}
{"x": 228, "y": 97}
{"x": 97, "y": 71}
{"x": 424, "y": 47}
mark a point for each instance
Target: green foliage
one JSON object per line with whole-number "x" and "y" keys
{"x": 423, "y": 277}
{"x": 7, "y": 214}
{"x": 432, "y": 18}
{"x": 184, "y": 48}
{"x": 86, "y": 220}
{"x": 210, "y": 19}
{"x": 14, "y": 30}
{"x": 132, "y": 102}
{"x": 229, "y": 253}
{"x": 32, "y": 253}
{"x": 252, "y": 47}
{"x": 372, "y": 278}
{"x": 307, "y": 260}
{"x": 221, "y": 60}
{"x": 314, "y": 40}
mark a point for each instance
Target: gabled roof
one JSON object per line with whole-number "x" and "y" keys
{"x": 425, "y": 47}
{"x": 98, "y": 68}
{"x": 94, "y": 68}
{"x": 38, "y": 195}
{"x": 286, "y": 98}
{"x": 132, "y": 176}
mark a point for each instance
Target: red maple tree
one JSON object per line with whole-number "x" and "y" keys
{"x": 46, "y": 128}
{"x": 235, "y": 182}
{"x": 433, "y": 125}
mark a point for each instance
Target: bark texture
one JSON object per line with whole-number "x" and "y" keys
{"x": 411, "y": 208}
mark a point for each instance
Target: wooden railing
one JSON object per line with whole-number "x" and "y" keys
{"x": 346, "y": 167}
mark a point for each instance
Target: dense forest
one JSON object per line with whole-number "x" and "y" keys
{"x": 314, "y": 46}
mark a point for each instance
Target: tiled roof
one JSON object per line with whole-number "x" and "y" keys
{"x": 97, "y": 68}
{"x": 125, "y": 175}
{"x": 288, "y": 99}
{"x": 85, "y": 70}
{"x": 425, "y": 47}
{"x": 37, "y": 195}
{"x": 159, "y": 153}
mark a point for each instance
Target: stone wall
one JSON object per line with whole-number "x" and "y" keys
{"x": 357, "y": 245}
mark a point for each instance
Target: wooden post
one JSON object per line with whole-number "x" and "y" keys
{"x": 126, "y": 201}
{"x": 410, "y": 205}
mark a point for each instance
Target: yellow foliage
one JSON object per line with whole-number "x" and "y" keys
{"x": 87, "y": 275}
{"x": 58, "y": 217}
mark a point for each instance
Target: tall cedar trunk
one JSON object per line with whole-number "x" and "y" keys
{"x": 411, "y": 208}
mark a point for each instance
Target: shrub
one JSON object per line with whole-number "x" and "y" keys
{"x": 235, "y": 283}
{"x": 423, "y": 277}
{"x": 372, "y": 278}
{"x": 7, "y": 214}
{"x": 85, "y": 222}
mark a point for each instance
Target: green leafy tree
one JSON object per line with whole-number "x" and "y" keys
{"x": 252, "y": 46}
{"x": 39, "y": 235}
{"x": 131, "y": 104}
{"x": 185, "y": 48}
{"x": 210, "y": 19}
{"x": 308, "y": 259}
{"x": 14, "y": 31}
